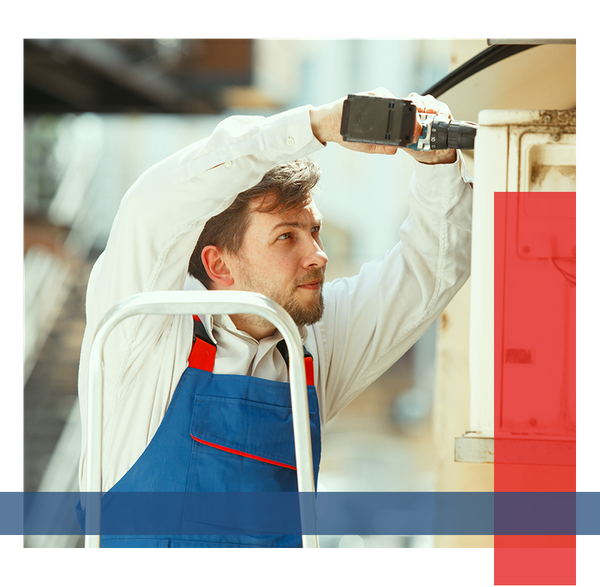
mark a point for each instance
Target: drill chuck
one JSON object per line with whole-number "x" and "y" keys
{"x": 461, "y": 134}
{"x": 441, "y": 133}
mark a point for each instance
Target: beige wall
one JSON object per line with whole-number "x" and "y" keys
{"x": 451, "y": 414}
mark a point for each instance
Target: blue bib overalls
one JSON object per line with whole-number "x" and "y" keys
{"x": 221, "y": 433}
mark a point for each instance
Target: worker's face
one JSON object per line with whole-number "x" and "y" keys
{"x": 282, "y": 257}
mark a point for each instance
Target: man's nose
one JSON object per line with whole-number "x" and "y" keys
{"x": 315, "y": 255}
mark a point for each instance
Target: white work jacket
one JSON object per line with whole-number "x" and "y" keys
{"x": 370, "y": 320}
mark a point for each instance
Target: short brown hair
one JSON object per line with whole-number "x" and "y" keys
{"x": 290, "y": 182}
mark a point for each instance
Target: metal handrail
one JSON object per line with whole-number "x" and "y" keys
{"x": 193, "y": 303}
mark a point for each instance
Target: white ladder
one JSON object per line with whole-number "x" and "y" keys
{"x": 191, "y": 303}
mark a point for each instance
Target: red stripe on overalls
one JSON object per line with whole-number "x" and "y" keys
{"x": 243, "y": 454}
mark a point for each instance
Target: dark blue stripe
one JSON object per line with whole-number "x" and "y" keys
{"x": 338, "y": 513}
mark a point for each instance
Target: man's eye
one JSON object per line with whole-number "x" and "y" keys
{"x": 284, "y": 236}
{"x": 316, "y": 228}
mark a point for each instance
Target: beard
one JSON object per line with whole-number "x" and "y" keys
{"x": 302, "y": 313}
{"x": 305, "y": 315}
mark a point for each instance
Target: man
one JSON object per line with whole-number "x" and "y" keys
{"x": 235, "y": 210}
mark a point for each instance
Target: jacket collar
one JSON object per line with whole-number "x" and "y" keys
{"x": 225, "y": 323}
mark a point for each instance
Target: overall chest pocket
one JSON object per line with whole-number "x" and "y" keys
{"x": 243, "y": 464}
{"x": 253, "y": 430}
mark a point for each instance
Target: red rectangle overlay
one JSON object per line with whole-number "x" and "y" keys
{"x": 536, "y": 340}
{"x": 534, "y": 372}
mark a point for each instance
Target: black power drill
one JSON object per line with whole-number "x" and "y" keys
{"x": 386, "y": 121}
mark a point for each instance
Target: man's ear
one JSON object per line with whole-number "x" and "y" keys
{"x": 216, "y": 265}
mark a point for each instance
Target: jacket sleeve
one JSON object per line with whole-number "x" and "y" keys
{"x": 162, "y": 215}
{"x": 373, "y": 318}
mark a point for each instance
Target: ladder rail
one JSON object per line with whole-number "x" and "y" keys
{"x": 190, "y": 303}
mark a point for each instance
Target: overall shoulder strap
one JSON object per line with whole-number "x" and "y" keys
{"x": 308, "y": 361}
{"x": 204, "y": 349}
